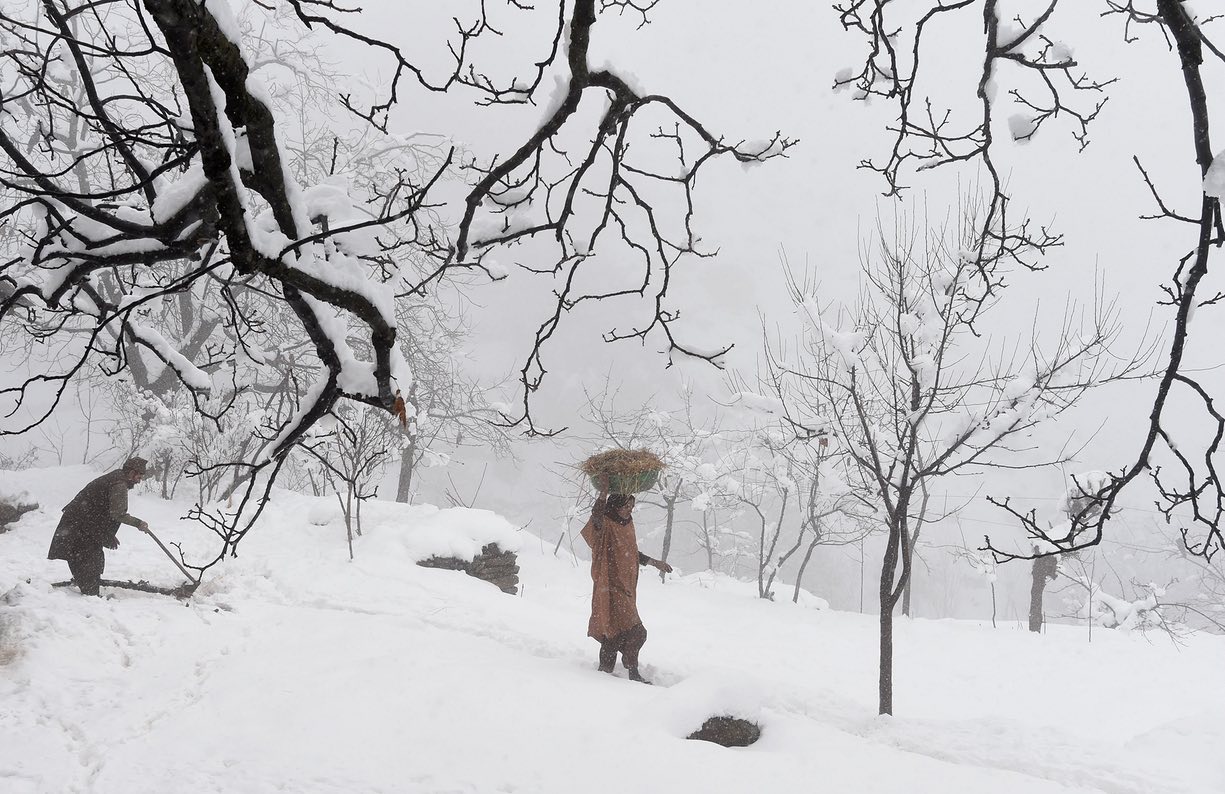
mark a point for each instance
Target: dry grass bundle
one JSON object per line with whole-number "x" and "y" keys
{"x": 626, "y": 462}
{"x": 623, "y": 470}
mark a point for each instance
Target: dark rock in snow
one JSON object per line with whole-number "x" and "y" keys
{"x": 445, "y": 563}
{"x": 11, "y": 511}
{"x": 493, "y": 565}
{"x": 728, "y": 731}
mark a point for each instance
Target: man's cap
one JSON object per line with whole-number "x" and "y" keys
{"x": 137, "y": 465}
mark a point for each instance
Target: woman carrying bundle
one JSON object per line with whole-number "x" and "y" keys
{"x": 614, "y": 575}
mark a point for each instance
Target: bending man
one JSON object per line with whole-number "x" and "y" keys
{"x": 91, "y": 523}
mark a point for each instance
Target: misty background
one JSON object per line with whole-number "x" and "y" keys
{"x": 812, "y": 216}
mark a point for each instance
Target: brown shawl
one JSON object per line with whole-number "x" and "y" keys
{"x": 614, "y": 574}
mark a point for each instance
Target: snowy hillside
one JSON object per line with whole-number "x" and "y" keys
{"x": 294, "y": 669}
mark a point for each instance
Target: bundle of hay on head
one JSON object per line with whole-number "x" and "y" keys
{"x": 623, "y": 471}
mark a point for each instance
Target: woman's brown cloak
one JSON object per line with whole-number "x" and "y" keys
{"x": 614, "y": 574}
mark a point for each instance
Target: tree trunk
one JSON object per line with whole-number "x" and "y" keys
{"x": 1043, "y": 569}
{"x": 799, "y": 576}
{"x": 861, "y": 574}
{"x": 163, "y": 463}
{"x": 886, "y": 660}
{"x": 761, "y": 561}
{"x": 708, "y": 543}
{"x": 887, "y": 572}
{"x": 347, "y": 509}
{"x": 670, "y": 506}
{"x": 799, "y": 540}
{"x": 890, "y": 593}
{"x": 914, "y": 539}
{"x": 764, "y": 555}
{"x": 404, "y": 484}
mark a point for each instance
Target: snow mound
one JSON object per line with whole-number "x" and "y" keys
{"x": 406, "y": 532}
{"x": 296, "y": 668}
{"x": 716, "y": 693}
{"x": 454, "y": 532}
{"x": 722, "y": 583}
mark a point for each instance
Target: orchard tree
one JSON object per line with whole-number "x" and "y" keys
{"x": 350, "y": 446}
{"x": 833, "y": 507}
{"x": 764, "y": 488}
{"x": 1028, "y": 80}
{"x": 683, "y": 439}
{"x": 445, "y": 408}
{"x": 1077, "y": 504}
{"x": 145, "y": 158}
{"x": 903, "y": 380}
{"x": 834, "y": 504}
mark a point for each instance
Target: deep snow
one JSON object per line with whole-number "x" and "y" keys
{"x": 294, "y": 669}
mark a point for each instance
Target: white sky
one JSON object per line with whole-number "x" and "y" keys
{"x": 745, "y": 73}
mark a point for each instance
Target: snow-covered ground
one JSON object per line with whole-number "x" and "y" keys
{"x": 294, "y": 669}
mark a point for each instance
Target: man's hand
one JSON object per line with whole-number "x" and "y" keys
{"x": 662, "y": 566}
{"x": 143, "y": 526}
{"x": 113, "y": 543}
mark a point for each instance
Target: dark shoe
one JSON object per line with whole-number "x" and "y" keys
{"x": 608, "y": 657}
{"x": 636, "y": 676}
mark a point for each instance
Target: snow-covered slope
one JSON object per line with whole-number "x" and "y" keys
{"x": 294, "y": 669}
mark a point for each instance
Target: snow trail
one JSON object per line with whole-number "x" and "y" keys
{"x": 294, "y": 669}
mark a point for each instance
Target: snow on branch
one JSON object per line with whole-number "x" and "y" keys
{"x": 166, "y": 225}
{"x": 1031, "y": 79}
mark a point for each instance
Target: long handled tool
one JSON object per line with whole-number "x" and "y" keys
{"x": 182, "y": 591}
{"x": 194, "y": 582}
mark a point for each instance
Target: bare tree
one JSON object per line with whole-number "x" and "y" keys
{"x": 1030, "y": 80}
{"x": 180, "y": 183}
{"x": 1079, "y": 501}
{"x": 352, "y": 454}
{"x": 896, "y": 380}
{"x": 712, "y": 535}
{"x": 834, "y": 505}
{"x": 1091, "y": 600}
{"x": 764, "y": 489}
{"x": 833, "y": 508}
{"x": 983, "y": 564}
{"x": 684, "y": 441}
{"x": 445, "y": 409}
{"x": 1197, "y": 598}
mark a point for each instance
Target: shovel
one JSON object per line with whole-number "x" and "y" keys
{"x": 183, "y": 590}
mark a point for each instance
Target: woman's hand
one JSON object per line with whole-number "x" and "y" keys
{"x": 662, "y": 566}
